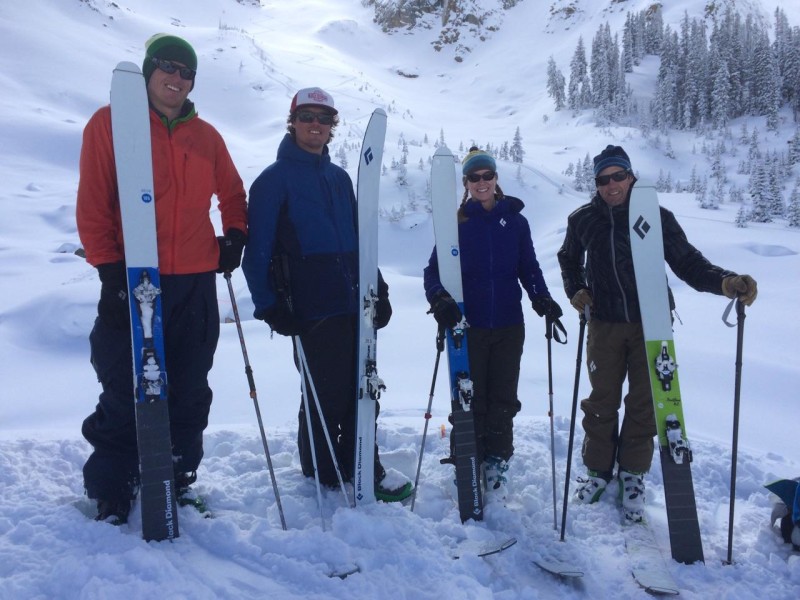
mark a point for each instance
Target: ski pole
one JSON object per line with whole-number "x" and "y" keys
{"x": 307, "y": 373}
{"x": 439, "y": 350}
{"x": 737, "y": 389}
{"x": 307, "y": 410}
{"x": 251, "y": 382}
{"x": 551, "y": 329}
{"x": 583, "y": 319}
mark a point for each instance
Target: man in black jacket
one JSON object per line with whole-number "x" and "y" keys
{"x": 597, "y": 269}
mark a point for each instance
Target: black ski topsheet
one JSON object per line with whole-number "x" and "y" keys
{"x": 130, "y": 122}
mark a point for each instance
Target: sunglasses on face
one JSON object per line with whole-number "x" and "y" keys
{"x": 170, "y": 67}
{"x": 476, "y": 177}
{"x": 307, "y": 116}
{"x": 602, "y": 180}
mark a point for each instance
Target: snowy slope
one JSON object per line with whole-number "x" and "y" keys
{"x": 55, "y": 69}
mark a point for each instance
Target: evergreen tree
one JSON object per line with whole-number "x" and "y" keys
{"x": 588, "y": 173}
{"x": 720, "y": 96}
{"x": 717, "y": 166}
{"x": 741, "y": 217}
{"x": 774, "y": 192}
{"x": 758, "y": 187}
{"x": 556, "y": 85}
{"x": 660, "y": 182}
{"x": 668, "y": 151}
{"x": 794, "y": 148}
{"x": 793, "y": 209}
{"x": 579, "y": 92}
{"x": 716, "y": 195}
{"x": 653, "y": 29}
{"x": 628, "y": 56}
{"x": 516, "y": 152}
{"x": 693, "y": 181}
{"x": 343, "y": 158}
{"x": 701, "y": 194}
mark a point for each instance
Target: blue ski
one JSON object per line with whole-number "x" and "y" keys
{"x": 448, "y": 255}
{"x": 130, "y": 123}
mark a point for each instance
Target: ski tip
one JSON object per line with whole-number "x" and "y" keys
{"x": 379, "y": 112}
{"x": 482, "y": 549}
{"x": 128, "y": 67}
{"x": 558, "y": 568}
{"x": 443, "y": 151}
{"x": 645, "y": 183}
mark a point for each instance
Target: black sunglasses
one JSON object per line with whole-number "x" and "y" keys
{"x": 170, "y": 67}
{"x": 475, "y": 177}
{"x": 602, "y": 180}
{"x": 307, "y": 116}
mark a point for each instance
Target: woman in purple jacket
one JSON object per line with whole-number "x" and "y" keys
{"x": 497, "y": 255}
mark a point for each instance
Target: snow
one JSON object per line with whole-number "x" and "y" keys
{"x": 57, "y": 57}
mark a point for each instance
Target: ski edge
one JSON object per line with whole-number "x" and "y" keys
{"x": 486, "y": 549}
{"x": 559, "y": 568}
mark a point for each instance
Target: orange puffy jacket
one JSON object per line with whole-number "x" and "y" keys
{"x": 190, "y": 164}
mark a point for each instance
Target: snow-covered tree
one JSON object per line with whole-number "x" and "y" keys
{"x": 556, "y": 84}
{"x": 516, "y": 151}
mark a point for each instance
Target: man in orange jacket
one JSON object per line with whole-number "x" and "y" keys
{"x": 190, "y": 164}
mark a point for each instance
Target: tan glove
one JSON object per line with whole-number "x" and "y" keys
{"x": 581, "y": 299}
{"x": 740, "y": 286}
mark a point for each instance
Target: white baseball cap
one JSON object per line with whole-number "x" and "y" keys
{"x": 313, "y": 97}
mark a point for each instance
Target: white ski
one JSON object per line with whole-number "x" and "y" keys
{"x": 130, "y": 124}
{"x": 448, "y": 255}
{"x": 368, "y": 385}
{"x": 647, "y": 563}
{"x": 647, "y": 250}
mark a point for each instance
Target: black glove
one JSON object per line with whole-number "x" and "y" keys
{"x": 383, "y": 312}
{"x": 114, "y": 309}
{"x": 445, "y": 310}
{"x": 545, "y": 306}
{"x": 383, "y": 308}
{"x": 230, "y": 250}
{"x": 281, "y": 319}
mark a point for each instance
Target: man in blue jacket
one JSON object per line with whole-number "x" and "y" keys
{"x": 301, "y": 265}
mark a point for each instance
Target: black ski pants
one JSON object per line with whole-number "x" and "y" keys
{"x": 191, "y": 330}
{"x": 494, "y": 363}
{"x": 330, "y": 348}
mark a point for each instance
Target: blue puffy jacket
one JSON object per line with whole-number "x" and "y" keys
{"x": 302, "y": 207}
{"x": 497, "y": 255}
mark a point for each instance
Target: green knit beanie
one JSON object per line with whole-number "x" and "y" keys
{"x": 167, "y": 47}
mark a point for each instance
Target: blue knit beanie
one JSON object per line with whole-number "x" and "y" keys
{"x": 477, "y": 160}
{"x": 612, "y": 156}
